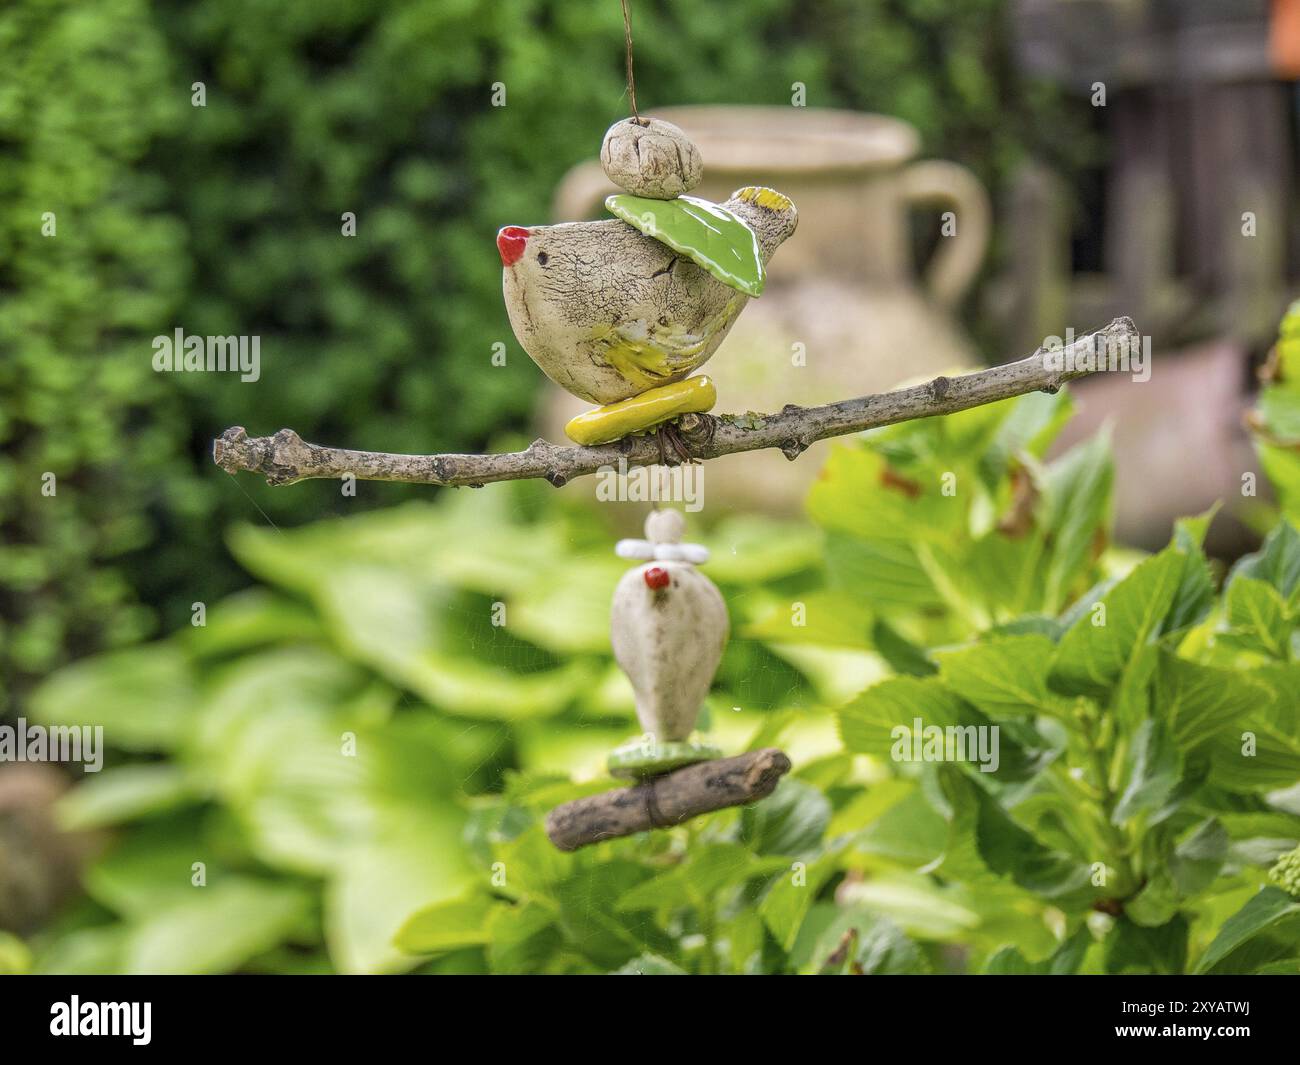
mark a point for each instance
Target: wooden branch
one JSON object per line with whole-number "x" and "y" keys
{"x": 667, "y": 800}
{"x": 285, "y": 457}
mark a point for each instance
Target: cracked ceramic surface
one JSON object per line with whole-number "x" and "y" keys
{"x": 650, "y": 157}
{"x": 668, "y": 626}
{"x": 607, "y": 312}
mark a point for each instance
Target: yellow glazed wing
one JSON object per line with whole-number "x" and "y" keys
{"x": 650, "y": 355}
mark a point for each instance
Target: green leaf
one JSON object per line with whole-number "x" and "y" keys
{"x": 1277, "y": 562}
{"x": 1154, "y": 771}
{"x": 149, "y": 868}
{"x": 1005, "y": 848}
{"x": 1031, "y": 424}
{"x": 1280, "y": 410}
{"x": 144, "y": 698}
{"x": 413, "y": 863}
{"x": 1074, "y": 512}
{"x": 85, "y": 952}
{"x": 270, "y": 745}
{"x": 15, "y": 958}
{"x": 1131, "y": 947}
{"x": 446, "y": 926}
{"x": 521, "y": 938}
{"x": 791, "y": 894}
{"x": 789, "y": 822}
{"x": 1262, "y": 912}
{"x": 125, "y": 794}
{"x": 1289, "y": 967}
{"x": 1197, "y": 860}
{"x": 902, "y": 654}
{"x": 536, "y": 868}
{"x": 592, "y": 924}
{"x": 1282, "y": 467}
{"x": 885, "y": 573}
{"x": 251, "y": 619}
{"x": 852, "y": 495}
{"x": 1194, "y": 598}
{"x": 1008, "y": 961}
{"x": 215, "y": 929}
{"x": 828, "y": 619}
{"x": 1258, "y": 617}
{"x": 1003, "y": 574}
{"x": 1029, "y": 625}
{"x": 1095, "y": 650}
{"x": 867, "y": 723}
{"x": 748, "y": 941}
{"x": 649, "y": 965}
{"x": 1196, "y": 701}
{"x": 710, "y": 235}
{"x": 1012, "y": 851}
{"x": 751, "y": 550}
{"x": 383, "y": 618}
{"x": 1064, "y": 961}
{"x": 1191, "y": 531}
{"x": 910, "y": 832}
{"x": 1271, "y": 758}
{"x": 1005, "y": 677}
{"x": 864, "y": 943}
{"x": 916, "y": 903}
{"x": 1157, "y": 903}
{"x": 707, "y": 871}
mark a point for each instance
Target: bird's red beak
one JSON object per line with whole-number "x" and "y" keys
{"x": 510, "y": 243}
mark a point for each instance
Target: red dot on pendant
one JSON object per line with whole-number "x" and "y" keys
{"x": 656, "y": 577}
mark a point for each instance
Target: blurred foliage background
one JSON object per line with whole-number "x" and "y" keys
{"x": 346, "y": 768}
{"x": 227, "y": 219}
{"x": 348, "y": 748}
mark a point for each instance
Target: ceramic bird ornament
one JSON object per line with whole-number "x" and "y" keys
{"x": 668, "y": 626}
{"x": 622, "y": 312}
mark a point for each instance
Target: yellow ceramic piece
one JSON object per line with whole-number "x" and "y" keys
{"x": 650, "y": 356}
{"x": 652, "y": 407}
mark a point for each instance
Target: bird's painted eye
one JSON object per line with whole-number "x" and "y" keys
{"x": 542, "y": 258}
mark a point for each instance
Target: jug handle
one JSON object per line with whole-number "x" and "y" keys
{"x": 950, "y": 186}
{"x": 581, "y": 193}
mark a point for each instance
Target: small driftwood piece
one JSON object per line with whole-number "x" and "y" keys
{"x": 667, "y": 800}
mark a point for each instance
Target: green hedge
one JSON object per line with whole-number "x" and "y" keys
{"x": 80, "y": 105}
{"x": 227, "y": 219}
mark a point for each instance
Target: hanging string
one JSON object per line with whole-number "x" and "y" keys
{"x": 627, "y": 36}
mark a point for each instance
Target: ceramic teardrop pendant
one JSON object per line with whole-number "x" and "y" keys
{"x": 668, "y": 627}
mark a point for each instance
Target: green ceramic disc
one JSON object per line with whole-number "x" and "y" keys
{"x": 711, "y": 236}
{"x": 640, "y": 759}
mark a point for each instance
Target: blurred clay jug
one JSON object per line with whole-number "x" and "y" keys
{"x": 844, "y": 313}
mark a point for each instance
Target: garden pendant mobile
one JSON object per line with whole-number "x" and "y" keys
{"x": 668, "y": 626}
{"x": 621, "y": 313}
